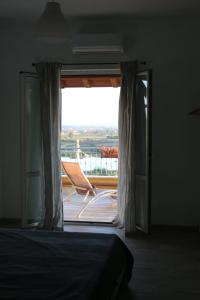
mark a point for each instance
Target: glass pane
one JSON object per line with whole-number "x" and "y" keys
{"x": 141, "y": 125}
{"x": 32, "y": 125}
{"x": 142, "y": 152}
{"x": 34, "y": 199}
{"x": 32, "y": 151}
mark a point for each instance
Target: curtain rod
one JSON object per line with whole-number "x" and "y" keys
{"x": 85, "y": 64}
{"x": 90, "y": 64}
{"x": 93, "y": 64}
{"x": 26, "y": 72}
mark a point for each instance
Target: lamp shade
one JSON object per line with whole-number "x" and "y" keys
{"x": 52, "y": 26}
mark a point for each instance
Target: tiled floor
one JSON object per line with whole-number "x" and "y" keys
{"x": 167, "y": 264}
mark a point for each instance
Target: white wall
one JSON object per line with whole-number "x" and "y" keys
{"x": 171, "y": 49}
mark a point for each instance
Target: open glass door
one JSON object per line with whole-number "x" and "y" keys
{"x": 31, "y": 151}
{"x": 142, "y": 151}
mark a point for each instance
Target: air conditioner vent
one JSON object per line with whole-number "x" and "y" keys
{"x": 97, "y": 43}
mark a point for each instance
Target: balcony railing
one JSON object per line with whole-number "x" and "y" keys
{"x": 91, "y": 161}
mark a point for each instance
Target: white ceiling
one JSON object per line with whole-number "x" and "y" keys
{"x": 27, "y": 9}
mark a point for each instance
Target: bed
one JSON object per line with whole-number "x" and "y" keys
{"x": 62, "y": 265}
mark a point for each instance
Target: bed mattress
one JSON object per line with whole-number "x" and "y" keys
{"x": 61, "y": 265}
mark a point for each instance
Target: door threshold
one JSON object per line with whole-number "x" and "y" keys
{"x": 85, "y": 223}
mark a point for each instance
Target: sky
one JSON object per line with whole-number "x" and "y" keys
{"x": 90, "y": 106}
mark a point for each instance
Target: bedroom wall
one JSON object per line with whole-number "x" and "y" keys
{"x": 171, "y": 48}
{"x": 1, "y": 158}
{"x": 1, "y": 200}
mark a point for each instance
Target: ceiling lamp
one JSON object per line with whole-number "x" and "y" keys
{"x": 51, "y": 26}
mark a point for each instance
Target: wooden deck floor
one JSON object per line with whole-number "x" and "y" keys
{"x": 103, "y": 210}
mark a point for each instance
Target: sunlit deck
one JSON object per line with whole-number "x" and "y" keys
{"x": 103, "y": 210}
{"x": 102, "y": 173}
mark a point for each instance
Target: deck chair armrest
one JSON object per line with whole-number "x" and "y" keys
{"x": 80, "y": 188}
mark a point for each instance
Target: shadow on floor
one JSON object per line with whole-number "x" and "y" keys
{"x": 125, "y": 293}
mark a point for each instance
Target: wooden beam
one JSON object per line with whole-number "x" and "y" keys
{"x": 86, "y": 82}
{"x": 90, "y": 81}
{"x": 114, "y": 82}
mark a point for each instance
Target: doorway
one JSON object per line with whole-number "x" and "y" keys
{"x": 31, "y": 172}
{"x": 89, "y": 137}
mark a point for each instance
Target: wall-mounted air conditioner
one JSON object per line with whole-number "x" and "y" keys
{"x": 97, "y": 43}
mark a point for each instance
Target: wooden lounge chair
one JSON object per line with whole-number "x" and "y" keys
{"x": 82, "y": 185}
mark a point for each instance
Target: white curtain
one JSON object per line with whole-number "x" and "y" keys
{"x": 126, "y": 201}
{"x": 49, "y": 74}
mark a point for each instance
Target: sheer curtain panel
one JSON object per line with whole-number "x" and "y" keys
{"x": 49, "y": 75}
{"x": 126, "y": 201}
